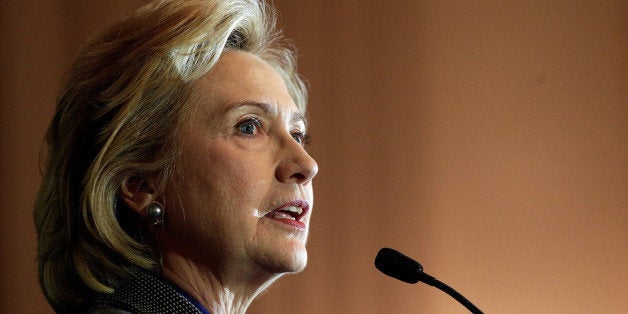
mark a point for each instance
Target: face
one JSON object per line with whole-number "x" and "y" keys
{"x": 241, "y": 195}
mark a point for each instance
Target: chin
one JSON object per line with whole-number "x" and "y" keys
{"x": 299, "y": 262}
{"x": 286, "y": 263}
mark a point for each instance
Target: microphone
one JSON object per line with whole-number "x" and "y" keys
{"x": 399, "y": 266}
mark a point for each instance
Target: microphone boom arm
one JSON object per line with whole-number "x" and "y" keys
{"x": 423, "y": 277}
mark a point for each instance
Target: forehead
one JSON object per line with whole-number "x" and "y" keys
{"x": 240, "y": 77}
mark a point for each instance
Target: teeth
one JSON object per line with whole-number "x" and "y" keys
{"x": 283, "y": 215}
{"x": 294, "y": 209}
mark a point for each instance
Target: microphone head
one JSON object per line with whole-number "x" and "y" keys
{"x": 397, "y": 265}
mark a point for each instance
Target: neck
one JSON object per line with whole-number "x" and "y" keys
{"x": 220, "y": 290}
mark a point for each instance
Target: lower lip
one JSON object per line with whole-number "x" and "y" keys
{"x": 290, "y": 222}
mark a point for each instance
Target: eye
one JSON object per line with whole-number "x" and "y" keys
{"x": 249, "y": 126}
{"x": 302, "y": 138}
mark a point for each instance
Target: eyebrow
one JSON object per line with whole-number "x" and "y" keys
{"x": 271, "y": 110}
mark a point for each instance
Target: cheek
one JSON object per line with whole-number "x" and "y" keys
{"x": 228, "y": 190}
{"x": 244, "y": 175}
{"x": 236, "y": 179}
{"x": 222, "y": 180}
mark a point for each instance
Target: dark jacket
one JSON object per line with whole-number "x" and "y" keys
{"x": 143, "y": 292}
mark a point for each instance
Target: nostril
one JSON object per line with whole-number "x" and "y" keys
{"x": 298, "y": 176}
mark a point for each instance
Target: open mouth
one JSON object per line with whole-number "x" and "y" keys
{"x": 290, "y": 213}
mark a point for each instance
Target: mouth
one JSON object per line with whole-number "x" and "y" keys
{"x": 290, "y": 213}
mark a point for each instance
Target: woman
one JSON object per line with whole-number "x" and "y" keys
{"x": 176, "y": 176}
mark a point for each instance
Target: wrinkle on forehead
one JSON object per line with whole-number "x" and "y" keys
{"x": 243, "y": 78}
{"x": 245, "y": 72}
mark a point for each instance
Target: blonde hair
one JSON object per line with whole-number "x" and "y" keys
{"x": 117, "y": 119}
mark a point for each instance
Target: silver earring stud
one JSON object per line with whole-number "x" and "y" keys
{"x": 155, "y": 213}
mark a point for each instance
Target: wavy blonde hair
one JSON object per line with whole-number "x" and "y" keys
{"x": 117, "y": 119}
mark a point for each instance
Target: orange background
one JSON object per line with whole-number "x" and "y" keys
{"x": 487, "y": 139}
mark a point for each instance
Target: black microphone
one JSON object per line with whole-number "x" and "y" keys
{"x": 397, "y": 265}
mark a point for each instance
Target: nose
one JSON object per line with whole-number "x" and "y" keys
{"x": 296, "y": 165}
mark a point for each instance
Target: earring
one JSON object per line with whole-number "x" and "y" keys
{"x": 155, "y": 213}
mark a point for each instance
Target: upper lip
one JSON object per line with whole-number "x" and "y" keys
{"x": 299, "y": 204}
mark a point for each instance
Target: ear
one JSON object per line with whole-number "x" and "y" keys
{"x": 138, "y": 194}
